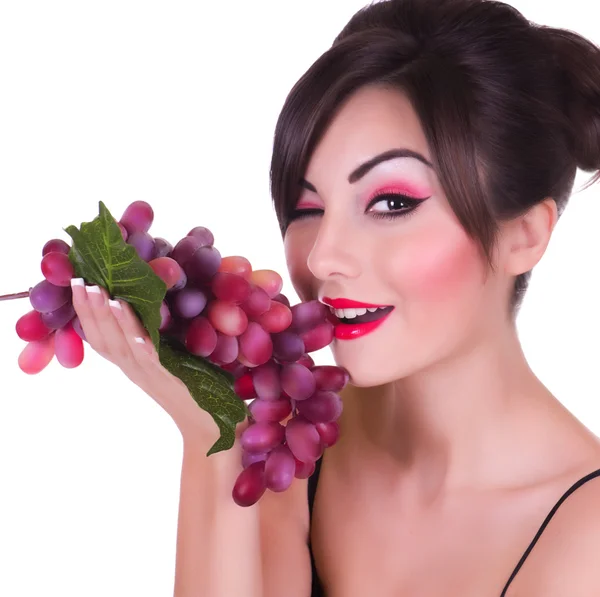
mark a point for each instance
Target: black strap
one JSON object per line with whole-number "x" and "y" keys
{"x": 317, "y": 587}
{"x": 567, "y": 493}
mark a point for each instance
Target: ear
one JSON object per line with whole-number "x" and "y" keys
{"x": 527, "y": 236}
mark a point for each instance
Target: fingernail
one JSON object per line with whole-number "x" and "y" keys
{"x": 140, "y": 340}
{"x": 95, "y": 289}
{"x": 115, "y": 304}
{"x": 77, "y": 282}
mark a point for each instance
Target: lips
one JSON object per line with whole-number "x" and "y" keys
{"x": 356, "y": 326}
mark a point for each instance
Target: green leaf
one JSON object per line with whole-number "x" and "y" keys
{"x": 211, "y": 388}
{"x": 101, "y": 256}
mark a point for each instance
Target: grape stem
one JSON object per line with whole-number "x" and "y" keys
{"x": 16, "y": 295}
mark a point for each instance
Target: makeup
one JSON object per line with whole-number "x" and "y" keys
{"x": 356, "y": 319}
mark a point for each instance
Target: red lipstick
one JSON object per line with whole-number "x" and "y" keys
{"x": 350, "y": 331}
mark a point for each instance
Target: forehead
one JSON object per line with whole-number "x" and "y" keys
{"x": 372, "y": 120}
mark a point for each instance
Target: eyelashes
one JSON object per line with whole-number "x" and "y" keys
{"x": 410, "y": 205}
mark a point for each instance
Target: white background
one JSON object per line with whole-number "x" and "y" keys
{"x": 176, "y": 103}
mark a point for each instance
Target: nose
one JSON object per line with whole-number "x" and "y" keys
{"x": 336, "y": 249}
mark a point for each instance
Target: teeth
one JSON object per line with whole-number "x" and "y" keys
{"x": 352, "y": 313}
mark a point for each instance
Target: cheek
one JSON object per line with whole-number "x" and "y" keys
{"x": 439, "y": 268}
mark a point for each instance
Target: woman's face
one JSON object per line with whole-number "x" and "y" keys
{"x": 361, "y": 239}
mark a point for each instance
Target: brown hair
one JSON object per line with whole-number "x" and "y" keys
{"x": 509, "y": 108}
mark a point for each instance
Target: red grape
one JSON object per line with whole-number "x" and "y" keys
{"x": 273, "y": 411}
{"x": 167, "y": 269}
{"x": 323, "y": 407}
{"x": 244, "y": 387}
{"x": 237, "y": 265}
{"x": 266, "y": 380}
{"x": 230, "y": 287}
{"x": 270, "y": 281}
{"x": 31, "y": 328}
{"x": 250, "y": 485}
{"x": 280, "y": 469}
{"x": 56, "y": 245}
{"x": 228, "y": 318}
{"x": 303, "y": 439}
{"x": 276, "y": 319}
{"x": 263, "y": 436}
{"x": 138, "y": 217}
{"x": 256, "y": 345}
{"x": 204, "y": 235}
{"x": 330, "y": 377}
{"x": 297, "y": 381}
{"x": 36, "y": 355}
{"x": 68, "y": 347}
{"x": 329, "y": 433}
{"x": 201, "y": 337}
{"x": 319, "y": 337}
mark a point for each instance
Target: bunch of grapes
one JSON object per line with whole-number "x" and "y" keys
{"x": 237, "y": 318}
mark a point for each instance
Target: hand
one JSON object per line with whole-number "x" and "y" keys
{"x": 113, "y": 330}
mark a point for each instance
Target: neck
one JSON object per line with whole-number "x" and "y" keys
{"x": 472, "y": 421}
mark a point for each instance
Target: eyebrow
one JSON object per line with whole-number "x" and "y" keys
{"x": 362, "y": 170}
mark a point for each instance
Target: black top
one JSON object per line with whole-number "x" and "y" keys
{"x": 317, "y": 587}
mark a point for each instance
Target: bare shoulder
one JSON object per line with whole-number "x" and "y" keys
{"x": 284, "y": 528}
{"x": 566, "y": 559}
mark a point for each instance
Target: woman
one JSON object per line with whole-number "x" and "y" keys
{"x": 420, "y": 164}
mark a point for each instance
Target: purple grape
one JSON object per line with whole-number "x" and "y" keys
{"x": 56, "y": 245}
{"x": 306, "y": 316}
{"x": 288, "y": 347}
{"x": 248, "y": 458}
{"x": 303, "y": 439}
{"x": 273, "y": 411}
{"x": 280, "y": 469}
{"x": 162, "y": 247}
{"x": 46, "y": 297}
{"x": 184, "y": 249}
{"x": 143, "y": 243}
{"x": 281, "y": 298}
{"x": 266, "y": 381}
{"x": 60, "y": 317}
{"x": 180, "y": 284}
{"x": 297, "y": 381}
{"x": 189, "y": 302}
{"x": 138, "y": 217}
{"x": 262, "y": 437}
{"x": 322, "y": 407}
{"x": 202, "y": 264}
{"x": 204, "y": 235}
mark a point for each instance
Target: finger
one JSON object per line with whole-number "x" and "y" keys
{"x": 140, "y": 344}
{"x": 85, "y": 311}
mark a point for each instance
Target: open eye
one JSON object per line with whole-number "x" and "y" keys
{"x": 393, "y": 205}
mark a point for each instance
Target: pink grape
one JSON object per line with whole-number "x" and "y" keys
{"x": 323, "y": 407}
{"x": 287, "y": 346}
{"x": 56, "y": 245}
{"x": 250, "y": 485}
{"x": 270, "y": 281}
{"x": 306, "y": 316}
{"x": 256, "y": 344}
{"x": 330, "y": 377}
{"x": 36, "y": 355}
{"x": 167, "y": 269}
{"x": 138, "y": 217}
{"x": 77, "y": 327}
{"x": 226, "y": 350}
{"x": 303, "y": 439}
{"x": 277, "y": 319}
{"x": 234, "y": 264}
{"x": 248, "y": 458}
{"x": 46, "y": 297}
{"x": 244, "y": 387}
{"x": 204, "y": 235}
{"x": 162, "y": 247}
{"x": 329, "y": 433}
{"x": 31, "y": 328}
{"x": 257, "y": 303}
{"x": 202, "y": 264}
{"x": 189, "y": 303}
{"x": 68, "y": 347}
{"x": 297, "y": 381}
{"x": 230, "y": 287}
{"x": 165, "y": 317}
{"x": 262, "y": 437}
{"x": 319, "y": 337}
{"x": 201, "y": 337}
{"x": 60, "y": 317}
{"x": 57, "y": 269}
{"x": 281, "y": 298}
{"x": 266, "y": 381}
{"x": 273, "y": 411}
{"x": 304, "y": 469}
{"x": 227, "y": 318}
{"x": 143, "y": 243}
{"x": 280, "y": 469}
